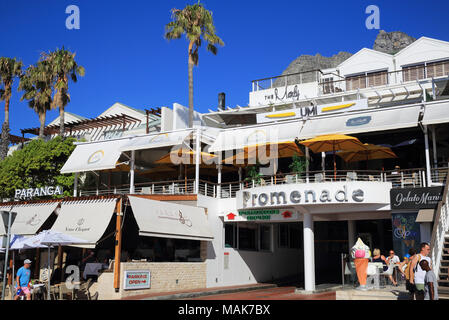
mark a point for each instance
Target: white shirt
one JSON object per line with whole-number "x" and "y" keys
{"x": 420, "y": 274}
{"x": 395, "y": 259}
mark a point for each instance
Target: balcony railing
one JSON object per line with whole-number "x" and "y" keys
{"x": 407, "y": 178}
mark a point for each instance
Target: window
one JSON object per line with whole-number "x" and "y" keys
{"x": 265, "y": 237}
{"x": 367, "y": 79}
{"x": 437, "y": 69}
{"x": 248, "y": 237}
{"x": 412, "y": 73}
{"x": 328, "y": 85}
{"x": 283, "y": 235}
{"x": 377, "y": 78}
{"x": 230, "y": 235}
{"x": 356, "y": 82}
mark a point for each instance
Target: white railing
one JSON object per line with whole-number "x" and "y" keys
{"x": 440, "y": 229}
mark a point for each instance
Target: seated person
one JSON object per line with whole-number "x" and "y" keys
{"x": 394, "y": 260}
{"x": 377, "y": 257}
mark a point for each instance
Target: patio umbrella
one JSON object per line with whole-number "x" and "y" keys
{"x": 371, "y": 152}
{"x": 47, "y": 239}
{"x": 333, "y": 142}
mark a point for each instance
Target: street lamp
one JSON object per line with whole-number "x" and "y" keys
{"x": 8, "y": 219}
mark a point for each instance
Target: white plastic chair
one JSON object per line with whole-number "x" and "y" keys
{"x": 388, "y": 272}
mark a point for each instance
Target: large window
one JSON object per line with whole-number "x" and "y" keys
{"x": 415, "y": 72}
{"x": 230, "y": 235}
{"x": 437, "y": 69}
{"x": 248, "y": 236}
{"x": 265, "y": 237}
{"x": 366, "y": 79}
{"x": 290, "y": 235}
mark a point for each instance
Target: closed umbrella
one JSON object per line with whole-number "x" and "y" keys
{"x": 333, "y": 142}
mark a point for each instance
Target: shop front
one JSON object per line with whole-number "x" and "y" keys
{"x": 412, "y": 216}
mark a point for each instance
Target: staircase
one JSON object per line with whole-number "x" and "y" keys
{"x": 439, "y": 245}
{"x": 443, "y": 282}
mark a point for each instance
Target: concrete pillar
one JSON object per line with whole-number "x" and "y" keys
{"x": 75, "y": 185}
{"x": 323, "y": 160}
{"x": 309, "y": 253}
{"x": 434, "y": 147}
{"x": 426, "y": 145}
{"x": 425, "y": 231}
{"x": 131, "y": 172}
{"x": 351, "y": 233}
{"x": 197, "y": 160}
{"x": 219, "y": 181}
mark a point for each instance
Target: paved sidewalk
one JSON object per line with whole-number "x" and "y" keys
{"x": 187, "y": 294}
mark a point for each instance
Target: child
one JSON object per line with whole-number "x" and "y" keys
{"x": 430, "y": 281}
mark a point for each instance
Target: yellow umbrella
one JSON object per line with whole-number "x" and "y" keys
{"x": 333, "y": 142}
{"x": 371, "y": 152}
{"x": 284, "y": 150}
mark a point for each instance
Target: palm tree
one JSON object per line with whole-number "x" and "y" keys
{"x": 197, "y": 24}
{"x": 63, "y": 66}
{"x": 10, "y": 68}
{"x": 37, "y": 84}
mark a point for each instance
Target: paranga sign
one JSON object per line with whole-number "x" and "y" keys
{"x": 38, "y": 192}
{"x": 262, "y": 215}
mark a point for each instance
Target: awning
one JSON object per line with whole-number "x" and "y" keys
{"x": 155, "y": 140}
{"x": 2, "y": 226}
{"x": 240, "y": 138}
{"x": 436, "y": 113}
{"x": 364, "y": 121}
{"x": 168, "y": 220}
{"x": 94, "y": 156}
{"x": 425, "y": 215}
{"x": 85, "y": 219}
{"x": 30, "y": 217}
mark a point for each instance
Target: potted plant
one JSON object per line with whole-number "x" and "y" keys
{"x": 298, "y": 165}
{"x": 252, "y": 174}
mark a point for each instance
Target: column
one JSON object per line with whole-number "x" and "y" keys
{"x": 118, "y": 245}
{"x": 323, "y": 161}
{"x": 309, "y": 253}
{"x": 426, "y": 144}
{"x": 351, "y": 234}
{"x": 425, "y": 231}
{"x": 75, "y": 185}
{"x": 434, "y": 147}
{"x": 131, "y": 172}
{"x": 197, "y": 160}
{"x": 219, "y": 181}
{"x": 307, "y": 164}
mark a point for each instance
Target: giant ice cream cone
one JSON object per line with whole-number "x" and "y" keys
{"x": 360, "y": 253}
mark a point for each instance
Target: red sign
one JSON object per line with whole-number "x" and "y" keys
{"x": 231, "y": 216}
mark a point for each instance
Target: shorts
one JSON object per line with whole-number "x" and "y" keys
{"x": 25, "y": 290}
{"x": 419, "y": 286}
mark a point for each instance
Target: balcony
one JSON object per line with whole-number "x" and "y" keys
{"x": 407, "y": 178}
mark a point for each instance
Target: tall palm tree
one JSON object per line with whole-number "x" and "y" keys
{"x": 10, "y": 68}
{"x": 197, "y": 24}
{"x": 37, "y": 84}
{"x": 63, "y": 66}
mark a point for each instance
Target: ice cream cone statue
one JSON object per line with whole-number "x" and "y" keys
{"x": 361, "y": 253}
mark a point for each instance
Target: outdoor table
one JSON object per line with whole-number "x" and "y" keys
{"x": 92, "y": 269}
{"x": 59, "y": 285}
{"x": 37, "y": 288}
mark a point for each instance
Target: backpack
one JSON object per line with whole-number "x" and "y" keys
{"x": 408, "y": 271}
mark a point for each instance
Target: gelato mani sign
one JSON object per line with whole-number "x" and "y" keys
{"x": 38, "y": 192}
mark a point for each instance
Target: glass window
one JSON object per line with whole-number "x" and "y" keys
{"x": 265, "y": 237}
{"x": 412, "y": 73}
{"x": 356, "y": 82}
{"x": 438, "y": 69}
{"x": 379, "y": 78}
{"x": 283, "y": 235}
{"x": 230, "y": 235}
{"x": 295, "y": 236}
{"x": 248, "y": 237}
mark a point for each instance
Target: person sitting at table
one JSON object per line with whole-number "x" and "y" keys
{"x": 394, "y": 260}
{"x": 377, "y": 257}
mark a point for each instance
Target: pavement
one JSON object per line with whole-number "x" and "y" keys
{"x": 260, "y": 291}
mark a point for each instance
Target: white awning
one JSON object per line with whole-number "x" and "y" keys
{"x": 85, "y": 219}
{"x": 30, "y": 217}
{"x": 425, "y": 215}
{"x": 155, "y": 140}
{"x": 436, "y": 113}
{"x": 168, "y": 220}
{"x": 2, "y": 226}
{"x": 364, "y": 121}
{"x": 233, "y": 139}
{"x": 94, "y": 156}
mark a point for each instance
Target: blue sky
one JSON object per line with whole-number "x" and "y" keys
{"x": 121, "y": 45}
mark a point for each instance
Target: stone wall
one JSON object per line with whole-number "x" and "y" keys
{"x": 165, "y": 276}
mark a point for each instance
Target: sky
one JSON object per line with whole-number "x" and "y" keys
{"x": 122, "y": 47}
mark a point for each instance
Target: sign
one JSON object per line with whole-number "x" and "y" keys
{"x": 415, "y": 198}
{"x": 358, "y": 121}
{"x": 38, "y": 192}
{"x": 312, "y": 111}
{"x": 137, "y": 279}
{"x": 262, "y": 215}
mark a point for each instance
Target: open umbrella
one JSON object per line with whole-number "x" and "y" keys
{"x": 333, "y": 142}
{"x": 371, "y": 152}
{"x": 47, "y": 239}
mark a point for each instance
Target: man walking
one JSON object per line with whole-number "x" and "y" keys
{"x": 23, "y": 279}
{"x": 418, "y": 275}
{"x": 431, "y": 283}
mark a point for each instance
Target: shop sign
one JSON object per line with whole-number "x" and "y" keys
{"x": 262, "y": 215}
{"x": 415, "y": 198}
{"x": 359, "y": 121}
{"x": 38, "y": 192}
{"x": 137, "y": 279}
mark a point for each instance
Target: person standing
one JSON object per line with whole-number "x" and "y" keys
{"x": 418, "y": 274}
{"x": 408, "y": 271}
{"x": 430, "y": 280}
{"x": 23, "y": 280}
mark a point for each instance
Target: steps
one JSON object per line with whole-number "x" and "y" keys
{"x": 443, "y": 281}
